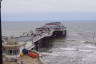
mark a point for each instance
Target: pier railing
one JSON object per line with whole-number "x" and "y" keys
{"x": 29, "y": 40}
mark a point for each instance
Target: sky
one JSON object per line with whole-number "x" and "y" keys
{"x": 45, "y": 10}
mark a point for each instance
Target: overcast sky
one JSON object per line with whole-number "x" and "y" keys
{"x": 23, "y": 10}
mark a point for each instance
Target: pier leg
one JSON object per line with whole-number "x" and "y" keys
{"x": 57, "y": 34}
{"x": 36, "y": 46}
{"x": 43, "y": 43}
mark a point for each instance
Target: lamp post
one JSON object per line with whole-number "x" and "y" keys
{"x": 0, "y": 6}
{"x": 0, "y": 36}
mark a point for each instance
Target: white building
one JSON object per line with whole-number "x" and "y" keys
{"x": 11, "y": 49}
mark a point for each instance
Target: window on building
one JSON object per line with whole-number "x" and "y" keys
{"x": 12, "y": 51}
{"x": 3, "y": 49}
{"x": 9, "y": 52}
{"x": 15, "y": 51}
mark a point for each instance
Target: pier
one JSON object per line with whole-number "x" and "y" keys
{"x": 33, "y": 40}
{"x": 28, "y": 44}
{"x": 30, "y": 40}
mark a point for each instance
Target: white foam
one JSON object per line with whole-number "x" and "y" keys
{"x": 68, "y": 48}
{"x": 85, "y": 50}
{"x": 90, "y": 46}
{"x": 83, "y": 41}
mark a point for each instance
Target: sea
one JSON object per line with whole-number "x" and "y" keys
{"x": 79, "y": 46}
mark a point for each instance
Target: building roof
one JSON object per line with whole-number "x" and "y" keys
{"x": 53, "y": 23}
{"x": 11, "y": 42}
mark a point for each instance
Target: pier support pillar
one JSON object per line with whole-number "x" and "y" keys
{"x": 43, "y": 43}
